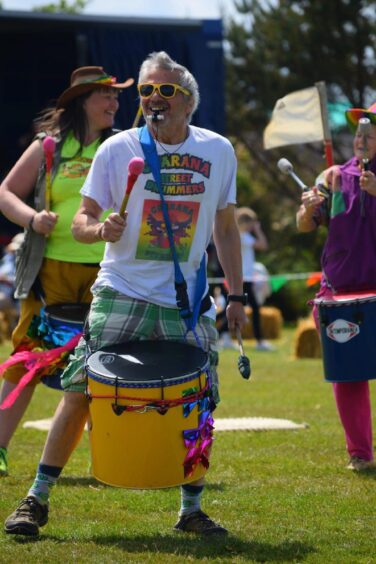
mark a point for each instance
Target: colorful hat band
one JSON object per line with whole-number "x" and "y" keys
{"x": 353, "y": 116}
{"x": 106, "y": 79}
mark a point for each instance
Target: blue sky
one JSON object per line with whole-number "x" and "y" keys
{"x": 196, "y": 9}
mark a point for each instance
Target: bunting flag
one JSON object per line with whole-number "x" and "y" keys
{"x": 296, "y": 118}
{"x": 314, "y": 278}
{"x": 277, "y": 281}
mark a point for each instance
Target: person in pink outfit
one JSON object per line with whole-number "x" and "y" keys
{"x": 349, "y": 263}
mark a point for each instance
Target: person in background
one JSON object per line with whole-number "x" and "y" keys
{"x": 134, "y": 294}
{"x": 349, "y": 264}
{"x": 225, "y": 341}
{"x": 53, "y": 267}
{"x": 8, "y": 305}
{"x": 252, "y": 239}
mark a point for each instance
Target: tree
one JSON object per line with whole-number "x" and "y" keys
{"x": 275, "y": 47}
{"x": 76, "y": 7}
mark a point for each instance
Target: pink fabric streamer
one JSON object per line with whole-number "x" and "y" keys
{"x": 197, "y": 455}
{"x": 198, "y": 441}
{"x": 34, "y": 362}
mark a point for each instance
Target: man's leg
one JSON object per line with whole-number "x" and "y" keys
{"x": 67, "y": 427}
{"x": 66, "y": 430}
{"x": 171, "y": 327}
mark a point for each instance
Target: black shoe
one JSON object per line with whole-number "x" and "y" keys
{"x": 198, "y": 522}
{"x": 27, "y": 518}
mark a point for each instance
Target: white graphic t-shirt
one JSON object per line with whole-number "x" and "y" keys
{"x": 198, "y": 178}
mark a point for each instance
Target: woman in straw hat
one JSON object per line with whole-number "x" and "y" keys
{"x": 349, "y": 262}
{"x": 52, "y": 267}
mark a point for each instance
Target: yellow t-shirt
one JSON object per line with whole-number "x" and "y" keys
{"x": 65, "y": 199}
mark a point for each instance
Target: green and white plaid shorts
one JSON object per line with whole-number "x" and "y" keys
{"x": 115, "y": 318}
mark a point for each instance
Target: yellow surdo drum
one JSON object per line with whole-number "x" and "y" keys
{"x": 150, "y": 408}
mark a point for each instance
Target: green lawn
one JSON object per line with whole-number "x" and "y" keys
{"x": 285, "y": 496}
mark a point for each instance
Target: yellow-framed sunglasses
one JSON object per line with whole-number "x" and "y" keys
{"x": 166, "y": 90}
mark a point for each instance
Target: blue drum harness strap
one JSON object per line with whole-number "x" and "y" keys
{"x": 190, "y": 316}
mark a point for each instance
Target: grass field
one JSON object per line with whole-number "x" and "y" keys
{"x": 285, "y": 496}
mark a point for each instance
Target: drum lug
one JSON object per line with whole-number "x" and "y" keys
{"x": 118, "y": 409}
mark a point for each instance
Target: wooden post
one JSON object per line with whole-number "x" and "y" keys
{"x": 328, "y": 146}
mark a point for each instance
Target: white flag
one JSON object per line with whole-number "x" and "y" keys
{"x": 296, "y": 118}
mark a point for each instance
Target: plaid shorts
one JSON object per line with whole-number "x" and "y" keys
{"x": 115, "y": 318}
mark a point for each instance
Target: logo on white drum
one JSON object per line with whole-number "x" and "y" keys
{"x": 107, "y": 358}
{"x": 342, "y": 331}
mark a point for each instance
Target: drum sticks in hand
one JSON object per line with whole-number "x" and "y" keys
{"x": 48, "y": 149}
{"x": 244, "y": 364}
{"x": 135, "y": 167}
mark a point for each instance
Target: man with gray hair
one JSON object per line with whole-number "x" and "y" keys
{"x": 172, "y": 212}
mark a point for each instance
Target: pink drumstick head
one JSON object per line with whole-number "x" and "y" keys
{"x": 49, "y": 149}
{"x": 49, "y": 144}
{"x": 136, "y": 166}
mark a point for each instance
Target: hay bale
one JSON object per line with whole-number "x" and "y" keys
{"x": 3, "y": 327}
{"x": 271, "y": 323}
{"x": 307, "y": 342}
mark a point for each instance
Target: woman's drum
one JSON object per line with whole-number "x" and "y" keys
{"x": 58, "y": 324}
{"x": 150, "y": 411}
{"x": 348, "y": 336}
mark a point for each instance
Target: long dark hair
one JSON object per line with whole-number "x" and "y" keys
{"x": 72, "y": 118}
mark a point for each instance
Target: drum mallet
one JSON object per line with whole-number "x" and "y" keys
{"x": 48, "y": 149}
{"x": 364, "y": 129}
{"x": 135, "y": 167}
{"x": 286, "y": 167}
{"x": 244, "y": 363}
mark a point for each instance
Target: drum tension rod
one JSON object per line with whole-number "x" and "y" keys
{"x": 116, "y": 408}
{"x": 162, "y": 410}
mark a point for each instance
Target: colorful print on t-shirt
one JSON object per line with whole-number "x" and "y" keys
{"x": 153, "y": 241}
{"x": 75, "y": 168}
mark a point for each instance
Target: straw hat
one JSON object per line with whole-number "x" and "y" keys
{"x": 353, "y": 116}
{"x": 245, "y": 214}
{"x": 85, "y": 79}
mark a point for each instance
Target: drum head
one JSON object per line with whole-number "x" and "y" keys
{"x": 138, "y": 362}
{"x": 346, "y": 299}
{"x": 74, "y": 313}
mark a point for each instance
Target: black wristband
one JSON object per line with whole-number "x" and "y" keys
{"x": 237, "y": 298}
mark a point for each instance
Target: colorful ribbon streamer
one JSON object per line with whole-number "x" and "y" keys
{"x": 198, "y": 442}
{"x": 35, "y": 362}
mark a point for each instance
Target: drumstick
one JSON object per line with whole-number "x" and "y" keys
{"x": 364, "y": 129}
{"x": 49, "y": 149}
{"x": 286, "y": 167}
{"x": 137, "y": 116}
{"x": 244, "y": 364}
{"x": 135, "y": 167}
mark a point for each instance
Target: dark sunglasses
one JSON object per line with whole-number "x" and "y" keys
{"x": 166, "y": 90}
